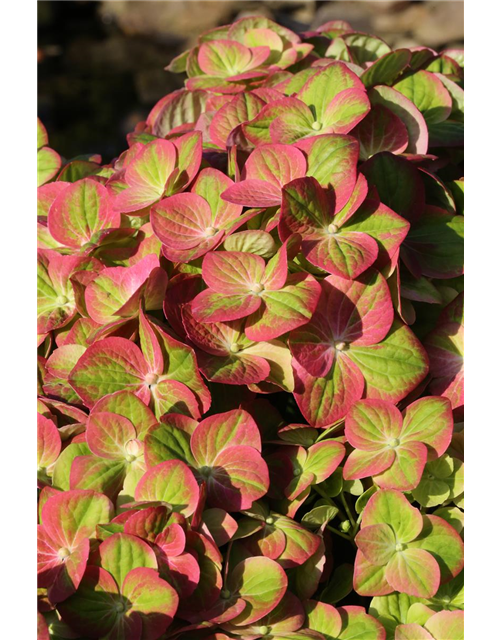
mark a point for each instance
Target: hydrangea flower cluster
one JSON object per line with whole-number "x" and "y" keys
{"x": 250, "y": 351}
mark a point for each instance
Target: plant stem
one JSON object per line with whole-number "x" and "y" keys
{"x": 339, "y": 533}
{"x": 347, "y": 510}
{"x": 226, "y": 563}
{"x": 322, "y": 493}
{"x": 358, "y": 522}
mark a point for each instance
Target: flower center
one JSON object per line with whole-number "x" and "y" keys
{"x": 151, "y": 379}
{"x": 394, "y": 443}
{"x": 120, "y": 607}
{"x": 264, "y": 630}
{"x": 210, "y": 231}
{"x": 340, "y": 346}
{"x": 297, "y": 472}
{"x": 205, "y": 471}
{"x": 63, "y": 553}
{"x": 430, "y": 476}
{"x": 234, "y": 348}
{"x": 332, "y": 228}
{"x": 225, "y": 593}
{"x": 133, "y": 450}
{"x": 270, "y": 520}
{"x": 399, "y": 546}
{"x": 61, "y": 301}
{"x": 316, "y": 125}
{"x": 257, "y": 288}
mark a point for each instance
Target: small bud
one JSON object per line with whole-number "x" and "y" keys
{"x": 225, "y": 593}
{"x": 332, "y": 228}
{"x": 394, "y": 443}
{"x": 340, "y": 346}
{"x": 345, "y": 526}
{"x": 234, "y": 348}
{"x": 316, "y": 125}
{"x": 61, "y": 301}
{"x": 210, "y": 231}
{"x": 63, "y": 553}
{"x": 264, "y": 630}
{"x": 270, "y": 520}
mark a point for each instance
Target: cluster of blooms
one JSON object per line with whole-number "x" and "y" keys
{"x": 250, "y": 352}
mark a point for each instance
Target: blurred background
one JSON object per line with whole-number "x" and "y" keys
{"x": 101, "y": 63}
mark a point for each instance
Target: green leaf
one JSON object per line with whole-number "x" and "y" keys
{"x": 109, "y": 365}
{"x": 173, "y": 482}
{"x": 398, "y": 184}
{"x": 153, "y": 600}
{"x": 331, "y": 159}
{"x": 392, "y": 508}
{"x": 340, "y": 585}
{"x": 391, "y": 610}
{"x": 447, "y": 624}
{"x": 365, "y": 48}
{"x": 419, "y": 613}
{"x": 362, "y": 501}
{"x": 72, "y": 516}
{"x": 93, "y": 609}
{"x": 323, "y": 618}
{"x": 394, "y": 367}
{"x": 80, "y": 211}
{"x": 254, "y": 241}
{"x": 121, "y": 552}
{"x": 48, "y": 164}
{"x": 62, "y": 468}
{"x": 446, "y": 134}
{"x": 128, "y": 405}
{"x": 434, "y": 246}
{"x": 354, "y": 487}
{"x": 42, "y": 137}
{"x": 304, "y": 579}
{"x": 332, "y": 486}
{"x": 413, "y": 571}
{"x": 412, "y": 632}
{"x": 457, "y": 191}
{"x": 377, "y": 543}
{"x": 428, "y": 94}
{"x": 319, "y": 515}
{"x": 450, "y": 595}
{"x": 261, "y": 583}
{"x": 387, "y": 68}
{"x": 105, "y": 476}
{"x": 407, "y": 112}
{"x": 167, "y": 442}
{"x": 323, "y": 86}
{"x": 443, "y": 542}
{"x": 453, "y": 516}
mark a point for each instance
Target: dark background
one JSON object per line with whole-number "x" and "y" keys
{"x": 101, "y": 64}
